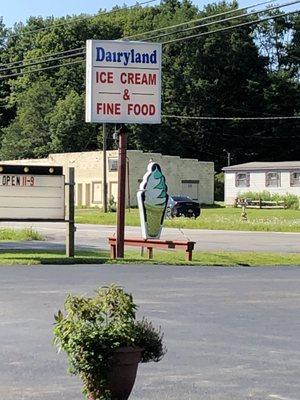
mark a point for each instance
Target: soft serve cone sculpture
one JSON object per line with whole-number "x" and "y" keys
{"x": 152, "y": 201}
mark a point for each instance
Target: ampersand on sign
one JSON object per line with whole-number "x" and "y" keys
{"x": 126, "y": 95}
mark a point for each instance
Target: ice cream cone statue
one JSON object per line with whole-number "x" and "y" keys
{"x": 152, "y": 201}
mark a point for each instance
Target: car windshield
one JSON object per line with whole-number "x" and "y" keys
{"x": 181, "y": 198}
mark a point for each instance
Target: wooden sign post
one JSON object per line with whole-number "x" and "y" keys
{"x": 70, "y": 213}
{"x": 121, "y": 191}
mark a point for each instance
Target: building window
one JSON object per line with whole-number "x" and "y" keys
{"x": 242, "y": 179}
{"x": 113, "y": 164}
{"x": 272, "y": 179}
{"x": 295, "y": 178}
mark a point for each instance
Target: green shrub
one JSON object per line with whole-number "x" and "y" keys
{"x": 112, "y": 206}
{"x": 290, "y": 200}
{"x": 19, "y": 234}
{"x": 219, "y": 187}
{"x": 94, "y": 326}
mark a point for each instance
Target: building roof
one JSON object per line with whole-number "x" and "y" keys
{"x": 260, "y": 165}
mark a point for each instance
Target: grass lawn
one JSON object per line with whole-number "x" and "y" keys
{"x": 33, "y": 257}
{"x": 276, "y": 220}
{"x": 29, "y": 257}
{"x": 8, "y": 234}
{"x": 219, "y": 258}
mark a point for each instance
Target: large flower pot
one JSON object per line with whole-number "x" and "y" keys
{"x": 122, "y": 375}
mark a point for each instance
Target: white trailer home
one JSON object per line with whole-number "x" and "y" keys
{"x": 275, "y": 177}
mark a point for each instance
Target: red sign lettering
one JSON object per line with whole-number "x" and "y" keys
{"x": 109, "y": 108}
{"x": 104, "y": 77}
{"x": 141, "y": 109}
{"x": 137, "y": 78}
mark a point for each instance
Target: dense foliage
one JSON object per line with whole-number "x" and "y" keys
{"x": 94, "y": 326}
{"x": 251, "y": 71}
{"x": 290, "y": 200}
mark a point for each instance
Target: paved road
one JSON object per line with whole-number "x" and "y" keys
{"x": 231, "y": 333}
{"x": 95, "y": 236}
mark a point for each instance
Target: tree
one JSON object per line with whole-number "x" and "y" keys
{"x": 28, "y": 135}
{"x": 243, "y": 72}
{"x": 6, "y": 114}
{"x": 292, "y": 59}
{"x": 68, "y": 131}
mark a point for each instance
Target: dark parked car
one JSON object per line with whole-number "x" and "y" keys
{"x": 182, "y": 206}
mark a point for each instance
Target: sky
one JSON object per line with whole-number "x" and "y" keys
{"x": 19, "y": 10}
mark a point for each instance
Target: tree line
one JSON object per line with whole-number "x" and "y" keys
{"x": 247, "y": 71}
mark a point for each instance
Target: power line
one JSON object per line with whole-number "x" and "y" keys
{"x": 292, "y": 117}
{"x": 82, "y": 48}
{"x": 294, "y": 57}
{"x": 41, "y": 69}
{"x": 256, "y": 136}
{"x": 171, "y": 41}
{"x": 152, "y": 31}
{"x": 32, "y": 31}
{"x": 57, "y": 25}
{"x": 198, "y": 20}
{"x": 257, "y": 21}
{"x": 43, "y": 56}
{"x": 62, "y": 24}
{"x": 186, "y": 117}
{"x": 43, "y": 61}
{"x": 169, "y": 27}
{"x": 223, "y": 20}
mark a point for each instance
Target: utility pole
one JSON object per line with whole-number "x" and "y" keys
{"x": 121, "y": 191}
{"x": 228, "y": 157}
{"x": 104, "y": 170}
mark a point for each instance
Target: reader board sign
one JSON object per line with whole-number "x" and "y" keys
{"x": 32, "y": 193}
{"x": 123, "y": 82}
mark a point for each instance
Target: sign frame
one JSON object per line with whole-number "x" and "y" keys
{"x": 67, "y": 192}
{"x": 136, "y": 61}
{"x": 29, "y": 171}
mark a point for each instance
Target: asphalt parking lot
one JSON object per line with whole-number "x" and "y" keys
{"x": 231, "y": 333}
{"x": 90, "y": 236}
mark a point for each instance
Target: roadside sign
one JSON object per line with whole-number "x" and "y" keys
{"x": 123, "y": 82}
{"x": 32, "y": 192}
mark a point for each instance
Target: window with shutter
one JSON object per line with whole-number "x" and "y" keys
{"x": 273, "y": 179}
{"x": 113, "y": 164}
{"x": 295, "y": 179}
{"x": 242, "y": 179}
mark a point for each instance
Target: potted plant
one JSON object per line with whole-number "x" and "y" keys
{"x": 104, "y": 342}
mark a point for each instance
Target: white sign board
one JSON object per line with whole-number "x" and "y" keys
{"x": 31, "y": 195}
{"x": 123, "y": 82}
